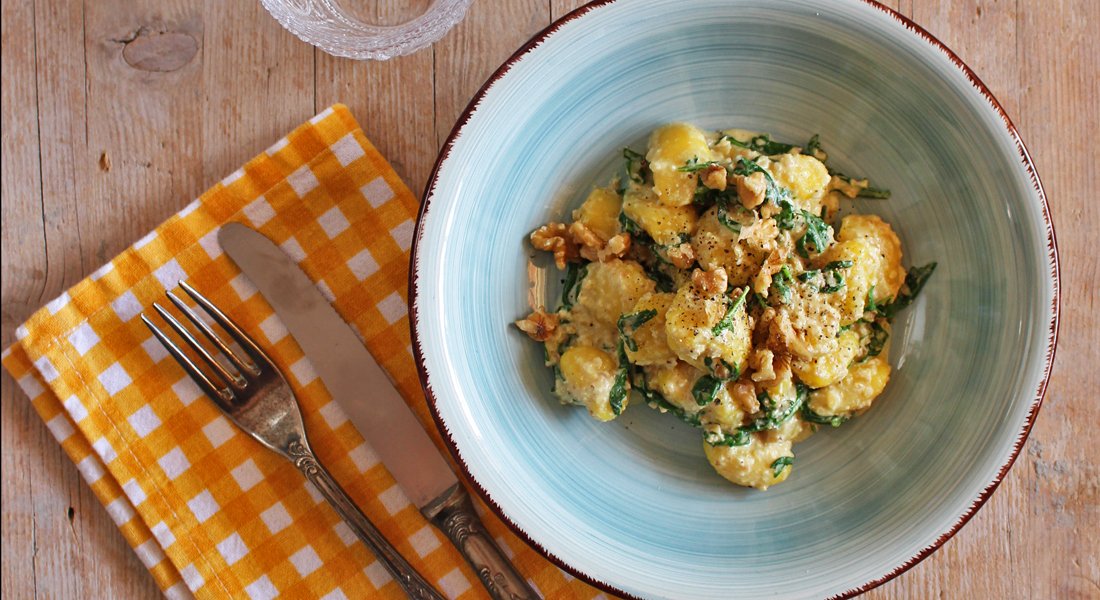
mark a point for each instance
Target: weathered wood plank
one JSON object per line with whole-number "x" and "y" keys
{"x": 392, "y": 100}
{"x": 257, "y": 85}
{"x": 144, "y": 153}
{"x": 1059, "y": 97}
{"x": 470, "y": 52}
{"x": 168, "y": 134}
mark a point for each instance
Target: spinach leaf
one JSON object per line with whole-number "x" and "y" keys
{"x": 877, "y": 343}
{"x": 737, "y": 438}
{"x": 694, "y": 165}
{"x": 809, "y": 416}
{"x": 574, "y": 275}
{"x": 817, "y": 233}
{"x": 813, "y": 148}
{"x": 706, "y": 389}
{"x": 733, "y": 370}
{"x": 637, "y": 234}
{"x": 869, "y": 304}
{"x": 723, "y": 216}
{"x": 635, "y": 165}
{"x": 618, "y": 392}
{"x": 914, "y": 281}
{"x": 762, "y": 144}
{"x": 633, "y": 321}
{"x": 781, "y": 282}
{"x": 774, "y": 414}
{"x": 834, "y": 281}
{"x": 727, "y": 320}
{"x": 781, "y": 463}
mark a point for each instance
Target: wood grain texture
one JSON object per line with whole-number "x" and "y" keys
{"x": 93, "y": 131}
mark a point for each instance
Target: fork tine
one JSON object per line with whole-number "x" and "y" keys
{"x": 230, "y": 378}
{"x": 219, "y": 395}
{"x": 211, "y": 335}
{"x": 243, "y": 339}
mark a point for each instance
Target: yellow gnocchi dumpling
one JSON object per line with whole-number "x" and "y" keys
{"x": 851, "y": 300}
{"x": 864, "y": 382}
{"x": 665, "y": 224}
{"x": 671, "y": 147}
{"x": 693, "y": 332}
{"x": 600, "y": 212}
{"x": 805, "y": 176}
{"x": 753, "y": 464}
{"x": 829, "y": 368}
{"x": 888, "y": 274}
{"x": 716, "y": 245}
{"x": 674, "y": 383}
{"x": 588, "y": 376}
{"x": 650, "y": 343}
{"x": 611, "y": 289}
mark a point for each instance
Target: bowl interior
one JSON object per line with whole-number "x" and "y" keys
{"x": 633, "y": 504}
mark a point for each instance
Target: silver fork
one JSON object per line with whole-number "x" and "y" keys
{"x": 258, "y": 399}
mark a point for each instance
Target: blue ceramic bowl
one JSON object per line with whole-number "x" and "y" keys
{"x": 633, "y": 506}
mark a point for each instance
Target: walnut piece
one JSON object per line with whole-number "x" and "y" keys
{"x": 781, "y": 337}
{"x": 682, "y": 256}
{"x": 751, "y": 189}
{"x": 714, "y": 177}
{"x": 760, "y": 234}
{"x": 772, "y": 265}
{"x": 745, "y": 395}
{"x": 553, "y": 237}
{"x": 539, "y": 325}
{"x": 593, "y": 248}
{"x": 710, "y": 283}
{"x": 768, "y": 367}
{"x": 616, "y": 247}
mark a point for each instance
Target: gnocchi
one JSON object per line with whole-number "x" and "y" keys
{"x": 710, "y": 286}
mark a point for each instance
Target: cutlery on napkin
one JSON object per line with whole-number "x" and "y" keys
{"x": 209, "y": 512}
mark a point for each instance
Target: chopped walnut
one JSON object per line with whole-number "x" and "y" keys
{"x": 710, "y": 283}
{"x": 768, "y": 367}
{"x": 553, "y": 237}
{"x": 781, "y": 338}
{"x": 714, "y": 177}
{"x": 763, "y": 279}
{"x": 616, "y": 247}
{"x": 593, "y": 248}
{"x": 761, "y": 234}
{"x": 751, "y": 189}
{"x": 682, "y": 256}
{"x": 583, "y": 236}
{"x": 540, "y": 325}
{"x": 745, "y": 395}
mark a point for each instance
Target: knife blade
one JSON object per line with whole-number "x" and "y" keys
{"x": 372, "y": 404}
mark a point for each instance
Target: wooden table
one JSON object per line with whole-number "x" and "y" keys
{"x": 116, "y": 116}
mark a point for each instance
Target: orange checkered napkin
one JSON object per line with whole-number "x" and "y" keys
{"x": 209, "y": 511}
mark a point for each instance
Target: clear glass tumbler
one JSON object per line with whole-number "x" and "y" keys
{"x": 332, "y": 27}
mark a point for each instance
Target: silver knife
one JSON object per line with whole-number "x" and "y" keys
{"x": 373, "y": 405}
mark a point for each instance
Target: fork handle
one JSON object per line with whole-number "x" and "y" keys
{"x": 453, "y": 514}
{"x": 414, "y": 584}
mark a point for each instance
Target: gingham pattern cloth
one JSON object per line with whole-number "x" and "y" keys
{"x": 208, "y": 510}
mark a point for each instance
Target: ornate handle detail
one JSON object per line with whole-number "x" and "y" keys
{"x": 454, "y": 515}
{"x": 402, "y": 572}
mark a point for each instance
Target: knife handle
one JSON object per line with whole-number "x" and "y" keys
{"x": 414, "y": 584}
{"x": 453, "y": 514}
